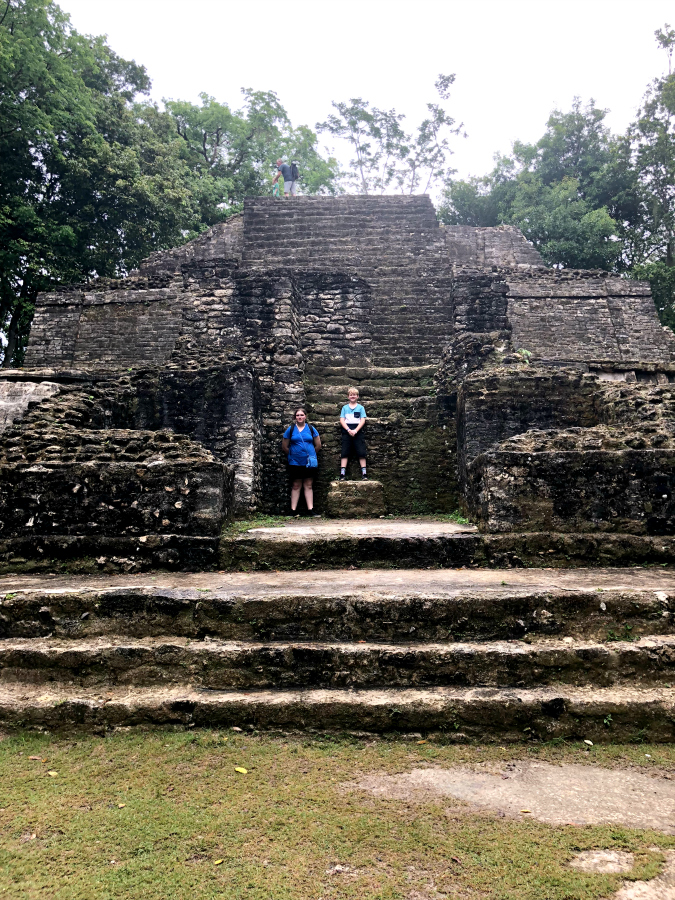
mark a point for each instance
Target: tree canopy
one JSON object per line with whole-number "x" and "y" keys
{"x": 384, "y": 155}
{"x": 93, "y": 177}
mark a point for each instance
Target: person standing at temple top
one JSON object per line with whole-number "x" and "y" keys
{"x": 352, "y": 420}
{"x": 289, "y": 174}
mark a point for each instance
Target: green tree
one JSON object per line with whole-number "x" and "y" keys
{"x": 93, "y": 177}
{"x": 652, "y": 137}
{"x": 232, "y": 153}
{"x": 386, "y": 156}
{"x": 571, "y": 193}
{"x": 377, "y": 140}
{"x": 652, "y": 141}
{"x": 85, "y": 188}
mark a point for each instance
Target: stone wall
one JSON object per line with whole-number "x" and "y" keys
{"x": 335, "y": 318}
{"x": 185, "y": 496}
{"x": 495, "y": 404}
{"x": 16, "y": 397}
{"x": 223, "y": 241}
{"x": 576, "y": 315}
{"x": 112, "y": 327}
{"x": 487, "y": 247}
{"x": 616, "y": 490}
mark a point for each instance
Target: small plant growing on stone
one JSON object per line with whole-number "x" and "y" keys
{"x": 607, "y": 721}
{"x": 524, "y": 355}
{"x": 625, "y": 635}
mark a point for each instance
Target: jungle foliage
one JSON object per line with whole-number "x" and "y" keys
{"x": 587, "y": 198}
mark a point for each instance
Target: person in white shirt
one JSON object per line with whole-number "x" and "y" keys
{"x": 352, "y": 420}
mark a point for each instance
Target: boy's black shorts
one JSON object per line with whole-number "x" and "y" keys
{"x": 353, "y": 446}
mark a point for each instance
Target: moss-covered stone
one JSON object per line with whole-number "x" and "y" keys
{"x": 355, "y": 500}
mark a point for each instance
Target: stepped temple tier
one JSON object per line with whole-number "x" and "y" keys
{"x": 150, "y": 409}
{"x": 149, "y": 415}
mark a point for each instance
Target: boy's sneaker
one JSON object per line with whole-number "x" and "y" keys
{"x": 342, "y": 478}
{"x": 364, "y": 477}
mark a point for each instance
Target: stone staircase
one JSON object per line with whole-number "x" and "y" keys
{"x": 402, "y": 425}
{"x": 397, "y": 247}
{"x": 580, "y": 655}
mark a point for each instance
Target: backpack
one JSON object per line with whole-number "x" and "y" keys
{"x": 294, "y": 171}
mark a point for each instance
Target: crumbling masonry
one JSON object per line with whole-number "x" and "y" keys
{"x": 150, "y": 409}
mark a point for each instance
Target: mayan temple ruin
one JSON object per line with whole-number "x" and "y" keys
{"x": 148, "y": 417}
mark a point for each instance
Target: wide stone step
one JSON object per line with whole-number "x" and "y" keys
{"x": 408, "y": 548}
{"x": 506, "y": 714}
{"x": 338, "y": 392}
{"x": 377, "y": 408}
{"x": 371, "y": 373}
{"x": 374, "y": 423}
{"x": 341, "y": 232}
{"x": 391, "y": 359}
{"x": 381, "y": 605}
{"x": 224, "y": 665}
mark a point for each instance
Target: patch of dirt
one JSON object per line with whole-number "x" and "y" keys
{"x": 567, "y": 794}
{"x": 660, "y": 888}
{"x": 603, "y": 861}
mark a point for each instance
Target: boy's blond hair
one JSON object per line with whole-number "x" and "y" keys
{"x": 353, "y": 390}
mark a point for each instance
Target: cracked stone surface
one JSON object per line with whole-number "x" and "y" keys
{"x": 661, "y": 580}
{"x": 567, "y": 794}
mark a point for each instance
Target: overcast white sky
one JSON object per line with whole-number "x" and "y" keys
{"x": 515, "y": 60}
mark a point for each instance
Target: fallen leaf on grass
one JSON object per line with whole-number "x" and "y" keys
{"x": 121, "y": 805}
{"x": 421, "y": 742}
{"x": 241, "y": 770}
{"x": 37, "y": 757}
{"x": 52, "y": 774}
{"x": 526, "y": 810}
{"x": 455, "y": 859}
{"x": 219, "y": 862}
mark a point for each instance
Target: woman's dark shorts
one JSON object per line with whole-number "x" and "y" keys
{"x": 295, "y": 473}
{"x": 353, "y": 446}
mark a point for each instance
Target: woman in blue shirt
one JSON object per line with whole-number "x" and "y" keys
{"x": 300, "y": 444}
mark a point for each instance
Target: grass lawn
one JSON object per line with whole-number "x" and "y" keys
{"x": 165, "y": 815}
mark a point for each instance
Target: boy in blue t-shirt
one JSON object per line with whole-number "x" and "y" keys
{"x": 352, "y": 420}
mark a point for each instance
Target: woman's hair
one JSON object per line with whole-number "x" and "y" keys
{"x": 353, "y": 390}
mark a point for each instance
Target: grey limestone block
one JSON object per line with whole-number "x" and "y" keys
{"x": 355, "y": 500}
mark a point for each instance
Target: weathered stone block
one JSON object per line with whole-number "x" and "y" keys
{"x": 191, "y": 497}
{"x": 581, "y": 491}
{"x": 355, "y": 499}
